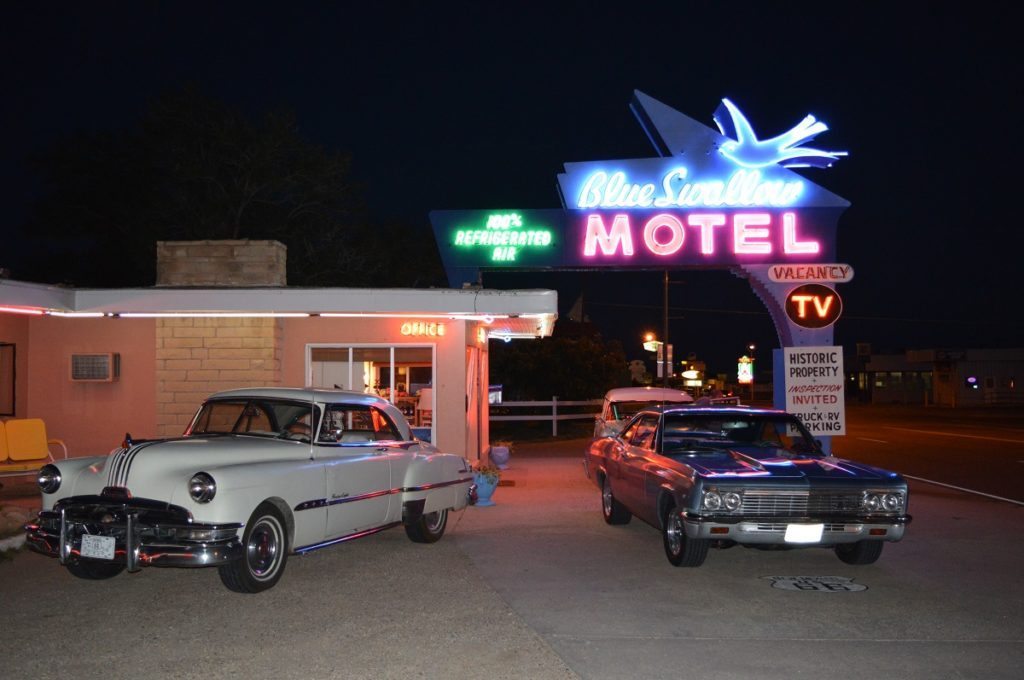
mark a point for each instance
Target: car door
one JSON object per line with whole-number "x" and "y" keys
{"x": 641, "y": 446}
{"x": 638, "y": 442}
{"x": 354, "y": 444}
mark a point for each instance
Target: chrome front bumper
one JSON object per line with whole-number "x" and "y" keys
{"x": 144, "y": 536}
{"x": 772, "y": 530}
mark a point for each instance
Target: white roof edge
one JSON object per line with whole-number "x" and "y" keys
{"x": 312, "y": 300}
{"x": 25, "y": 294}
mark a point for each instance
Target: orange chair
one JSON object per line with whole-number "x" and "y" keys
{"x": 24, "y": 447}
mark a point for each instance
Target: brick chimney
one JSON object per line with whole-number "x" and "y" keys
{"x": 202, "y": 264}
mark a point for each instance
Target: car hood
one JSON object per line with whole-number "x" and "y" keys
{"x": 147, "y": 468}
{"x": 777, "y": 463}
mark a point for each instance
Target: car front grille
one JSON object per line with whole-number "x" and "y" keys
{"x": 768, "y": 503}
{"x": 780, "y": 528}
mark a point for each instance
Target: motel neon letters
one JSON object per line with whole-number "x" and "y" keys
{"x": 666, "y": 234}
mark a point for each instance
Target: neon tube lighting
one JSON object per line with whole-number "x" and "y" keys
{"x": 79, "y": 315}
{"x": 454, "y": 316}
{"x": 22, "y": 310}
{"x": 209, "y": 315}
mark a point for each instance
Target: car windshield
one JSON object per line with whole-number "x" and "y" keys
{"x": 259, "y": 417}
{"x": 623, "y": 410}
{"x": 759, "y": 435}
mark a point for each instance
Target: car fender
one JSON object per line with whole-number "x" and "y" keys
{"x": 77, "y": 478}
{"x": 297, "y": 488}
{"x": 441, "y": 480}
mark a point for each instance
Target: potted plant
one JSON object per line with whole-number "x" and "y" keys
{"x": 486, "y": 477}
{"x": 499, "y": 453}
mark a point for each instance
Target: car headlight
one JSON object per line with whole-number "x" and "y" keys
{"x": 48, "y": 479}
{"x": 716, "y": 499}
{"x": 202, "y": 488}
{"x": 892, "y": 502}
{"x": 881, "y": 501}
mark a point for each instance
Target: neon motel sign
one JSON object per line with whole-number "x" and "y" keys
{"x": 713, "y": 198}
{"x": 665, "y": 234}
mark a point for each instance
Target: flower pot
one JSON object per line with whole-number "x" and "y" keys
{"x": 499, "y": 456}
{"x": 485, "y": 486}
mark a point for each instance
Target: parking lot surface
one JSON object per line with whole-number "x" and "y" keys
{"x": 538, "y": 586}
{"x": 944, "y": 603}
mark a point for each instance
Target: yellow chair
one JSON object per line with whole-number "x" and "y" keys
{"x": 25, "y": 448}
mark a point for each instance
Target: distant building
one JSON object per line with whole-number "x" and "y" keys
{"x": 971, "y": 377}
{"x": 975, "y": 376}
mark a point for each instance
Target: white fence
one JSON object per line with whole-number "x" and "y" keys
{"x": 554, "y": 416}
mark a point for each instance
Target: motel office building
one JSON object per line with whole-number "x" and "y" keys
{"x": 95, "y": 364}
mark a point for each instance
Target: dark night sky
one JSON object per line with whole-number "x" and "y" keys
{"x": 478, "y": 105}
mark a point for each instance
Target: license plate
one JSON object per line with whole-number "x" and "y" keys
{"x": 804, "y": 533}
{"x": 97, "y": 547}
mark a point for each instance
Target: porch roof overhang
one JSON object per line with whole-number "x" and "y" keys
{"x": 507, "y": 313}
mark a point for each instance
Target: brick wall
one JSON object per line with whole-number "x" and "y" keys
{"x": 221, "y": 263}
{"x": 196, "y": 357}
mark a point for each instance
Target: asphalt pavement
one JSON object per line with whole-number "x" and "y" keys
{"x": 538, "y": 586}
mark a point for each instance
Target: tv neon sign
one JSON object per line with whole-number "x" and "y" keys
{"x": 664, "y": 234}
{"x": 743, "y": 188}
{"x": 506, "y": 235}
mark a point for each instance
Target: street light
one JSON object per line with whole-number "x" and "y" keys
{"x": 751, "y": 347}
{"x": 664, "y": 353}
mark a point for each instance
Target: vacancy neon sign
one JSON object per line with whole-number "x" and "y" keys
{"x": 667, "y": 235}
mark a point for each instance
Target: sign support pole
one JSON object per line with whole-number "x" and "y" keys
{"x": 668, "y": 368}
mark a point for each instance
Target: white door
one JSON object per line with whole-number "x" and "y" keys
{"x": 356, "y": 442}
{"x": 358, "y": 488}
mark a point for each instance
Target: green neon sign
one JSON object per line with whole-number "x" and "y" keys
{"x": 506, "y": 235}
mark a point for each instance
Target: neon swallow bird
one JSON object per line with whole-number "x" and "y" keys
{"x": 785, "y": 150}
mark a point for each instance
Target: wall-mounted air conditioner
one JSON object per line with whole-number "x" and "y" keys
{"x": 104, "y": 367}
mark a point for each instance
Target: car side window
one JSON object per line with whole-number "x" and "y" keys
{"x": 628, "y": 433}
{"x": 647, "y": 428}
{"x": 354, "y": 423}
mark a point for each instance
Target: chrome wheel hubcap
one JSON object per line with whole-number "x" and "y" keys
{"x": 674, "y": 533}
{"x": 263, "y": 548}
{"x": 433, "y": 520}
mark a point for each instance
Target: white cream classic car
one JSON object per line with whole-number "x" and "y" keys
{"x": 247, "y": 485}
{"x": 622, "y": 403}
